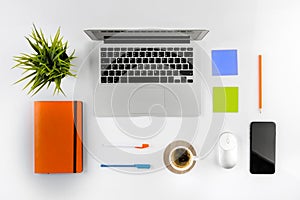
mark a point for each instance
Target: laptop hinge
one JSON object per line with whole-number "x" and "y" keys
{"x": 146, "y": 39}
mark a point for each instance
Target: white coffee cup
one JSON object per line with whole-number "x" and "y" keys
{"x": 181, "y": 158}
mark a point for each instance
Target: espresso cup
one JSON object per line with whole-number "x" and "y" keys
{"x": 181, "y": 158}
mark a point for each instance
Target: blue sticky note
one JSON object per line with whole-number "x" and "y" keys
{"x": 224, "y": 62}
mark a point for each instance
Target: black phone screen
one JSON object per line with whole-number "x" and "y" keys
{"x": 262, "y": 147}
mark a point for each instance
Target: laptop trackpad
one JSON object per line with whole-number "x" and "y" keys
{"x": 147, "y": 100}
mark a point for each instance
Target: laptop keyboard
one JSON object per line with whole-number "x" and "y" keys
{"x": 146, "y": 65}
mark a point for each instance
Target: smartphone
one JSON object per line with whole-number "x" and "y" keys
{"x": 262, "y": 147}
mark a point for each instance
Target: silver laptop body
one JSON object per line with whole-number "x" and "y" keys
{"x": 147, "y": 72}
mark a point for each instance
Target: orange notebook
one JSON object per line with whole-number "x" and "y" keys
{"x": 58, "y": 136}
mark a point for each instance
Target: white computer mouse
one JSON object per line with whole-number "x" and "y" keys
{"x": 227, "y": 150}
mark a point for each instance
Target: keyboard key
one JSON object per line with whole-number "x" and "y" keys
{"x": 164, "y": 60}
{"x": 132, "y": 60}
{"x": 177, "y": 60}
{"x": 114, "y": 66}
{"x": 118, "y": 73}
{"x": 110, "y": 54}
{"x": 105, "y": 60}
{"x": 126, "y": 60}
{"x": 163, "y": 79}
{"x": 143, "y": 49}
{"x": 103, "y": 54}
{"x": 145, "y": 60}
{"x": 183, "y": 60}
{"x": 153, "y": 66}
{"x": 116, "y": 54}
{"x": 127, "y": 66}
{"x": 121, "y": 66}
{"x": 143, "y": 79}
{"x": 137, "y": 49}
{"x": 103, "y": 49}
{"x": 186, "y": 72}
{"x": 111, "y": 73}
{"x": 110, "y": 79}
{"x": 142, "y": 54}
{"x": 175, "y": 73}
{"x": 188, "y": 54}
{"x": 117, "y": 49}
{"x": 137, "y": 73}
{"x": 159, "y": 66}
{"x": 162, "y": 73}
{"x": 129, "y": 54}
{"x": 135, "y": 54}
{"x": 110, "y": 49}
{"x": 140, "y": 66}
{"x": 154, "y": 54}
{"x": 170, "y": 79}
{"x": 170, "y": 60}
{"x": 156, "y": 73}
{"x": 150, "y": 73}
{"x": 170, "y": 49}
{"x": 158, "y": 60}
{"x": 161, "y": 54}
{"x": 156, "y": 49}
{"x": 123, "y": 79}
{"x": 177, "y": 81}
{"x": 134, "y": 66}
{"x": 123, "y": 49}
{"x": 148, "y": 54}
{"x": 190, "y": 60}
{"x": 185, "y": 66}
{"x": 130, "y": 73}
{"x": 113, "y": 60}
{"x": 130, "y": 49}
{"x": 139, "y": 60}
{"x": 151, "y": 60}
{"x": 143, "y": 73}
{"x": 190, "y": 49}
{"x": 166, "y": 66}
{"x": 172, "y": 66}
{"x": 116, "y": 79}
{"x": 119, "y": 60}
{"x": 180, "y": 54}
{"x": 183, "y": 79}
{"x": 149, "y": 49}
{"x": 103, "y": 79}
{"x": 167, "y": 54}
{"x": 178, "y": 66}
{"x": 174, "y": 54}
{"x": 124, "y": 72}
{"x": 104, "y": 66}
{"x": 190, "y": 80}
{"x": 169, "y": 73}
{"x": 146, "y": 66}
{"x": 105, "y": 73}
{"x": 176, "y": 49}
{"x": 182, "y": 49}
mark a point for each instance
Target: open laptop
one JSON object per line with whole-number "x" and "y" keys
{"x": 146, "y": 72}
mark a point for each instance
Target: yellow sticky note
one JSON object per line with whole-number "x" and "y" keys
{"x": 225, "y": 99}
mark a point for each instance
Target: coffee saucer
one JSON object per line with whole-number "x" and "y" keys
{"x": 168, "y": 150}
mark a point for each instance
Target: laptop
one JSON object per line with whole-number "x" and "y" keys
{"x": 146, "y": 72}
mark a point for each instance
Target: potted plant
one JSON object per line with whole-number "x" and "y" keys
{"x": 49, "y": 63}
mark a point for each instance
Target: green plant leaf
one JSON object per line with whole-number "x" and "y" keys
{"x": 47, "y": 64}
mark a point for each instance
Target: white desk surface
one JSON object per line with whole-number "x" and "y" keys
{"x": 269, "y": 27}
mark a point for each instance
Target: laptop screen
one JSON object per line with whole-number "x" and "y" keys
{"x": 101, "y": 34}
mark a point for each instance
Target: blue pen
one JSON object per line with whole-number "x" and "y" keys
{"x": 138, "y": 166}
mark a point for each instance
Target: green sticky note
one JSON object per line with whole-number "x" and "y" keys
{"x": 225, "y": 99}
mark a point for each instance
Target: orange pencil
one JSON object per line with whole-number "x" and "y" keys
{"x": 260, "y": 83}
